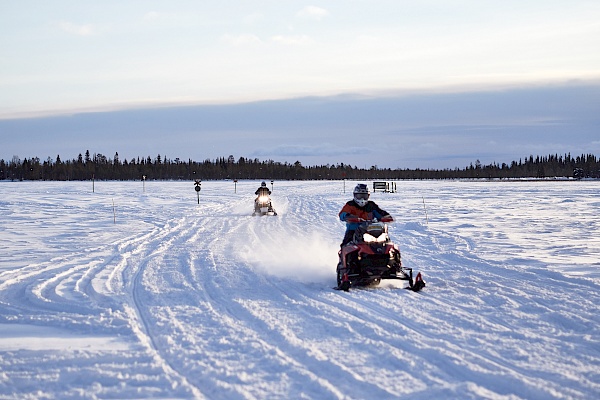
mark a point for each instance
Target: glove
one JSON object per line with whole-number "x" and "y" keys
{"x": 387, "y": 218}
{"x": 349, "y": 216}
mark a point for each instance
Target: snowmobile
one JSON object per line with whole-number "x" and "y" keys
{"x": 371, "y": 256}
{"x": 263, "y": 206}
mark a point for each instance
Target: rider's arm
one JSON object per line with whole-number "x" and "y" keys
{"x": 347, "y": 212}
{"x": 344, "y": 216}
{"x": 381, "y": 214}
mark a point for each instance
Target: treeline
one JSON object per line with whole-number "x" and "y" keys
{"x": 98, "y": 166}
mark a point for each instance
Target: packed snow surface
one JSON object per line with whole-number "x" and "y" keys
{"x": 132, "y": 290}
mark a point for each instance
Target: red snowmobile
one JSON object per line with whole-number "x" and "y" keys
{"x": 371, "y": 256}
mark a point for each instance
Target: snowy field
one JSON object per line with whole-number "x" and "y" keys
{"x": 161, "y": 297}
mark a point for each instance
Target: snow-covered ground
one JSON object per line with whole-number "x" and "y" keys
{"x": 126, "y": 293}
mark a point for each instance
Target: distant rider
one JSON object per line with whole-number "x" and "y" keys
{"x": 360, "y": 207}
{"x": 263, "y": 190}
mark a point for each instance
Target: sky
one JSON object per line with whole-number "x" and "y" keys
{"x": 85, "y": 75}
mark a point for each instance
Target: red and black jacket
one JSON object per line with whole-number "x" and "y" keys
{"x": 370, "y": 211}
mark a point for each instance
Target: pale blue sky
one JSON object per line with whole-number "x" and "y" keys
{"x": 65, "y": 57}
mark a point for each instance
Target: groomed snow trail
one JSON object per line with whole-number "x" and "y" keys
{"x": 186, "y": 300}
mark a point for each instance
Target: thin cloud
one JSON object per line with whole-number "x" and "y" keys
{"x": 323, "y": 150}
{"x": 241, "y": 40}
{"x": 151, "y": 16}
{"x": 291, "y": 40}
{"x": 172, "y": 19}
{"x": 74, "y": 29}
{"x": 313, "y": 12}
{"x": 253, "y": 18}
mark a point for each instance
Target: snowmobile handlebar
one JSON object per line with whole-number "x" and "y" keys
{"x": 354, "y": 219}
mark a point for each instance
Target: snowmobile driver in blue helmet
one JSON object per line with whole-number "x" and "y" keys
{"x": 360, "y": 208}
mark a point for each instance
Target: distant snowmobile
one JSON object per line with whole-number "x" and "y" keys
{"x": 370, "y": 257}
{"x": 263, "y": 206}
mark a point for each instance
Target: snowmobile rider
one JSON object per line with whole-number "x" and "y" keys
{"x": 360, "y": 207}
{"x": 263, "y": 190}
{"x": 262, "y": 200}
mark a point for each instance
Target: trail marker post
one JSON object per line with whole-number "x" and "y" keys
{"x": 197, "y": 189}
